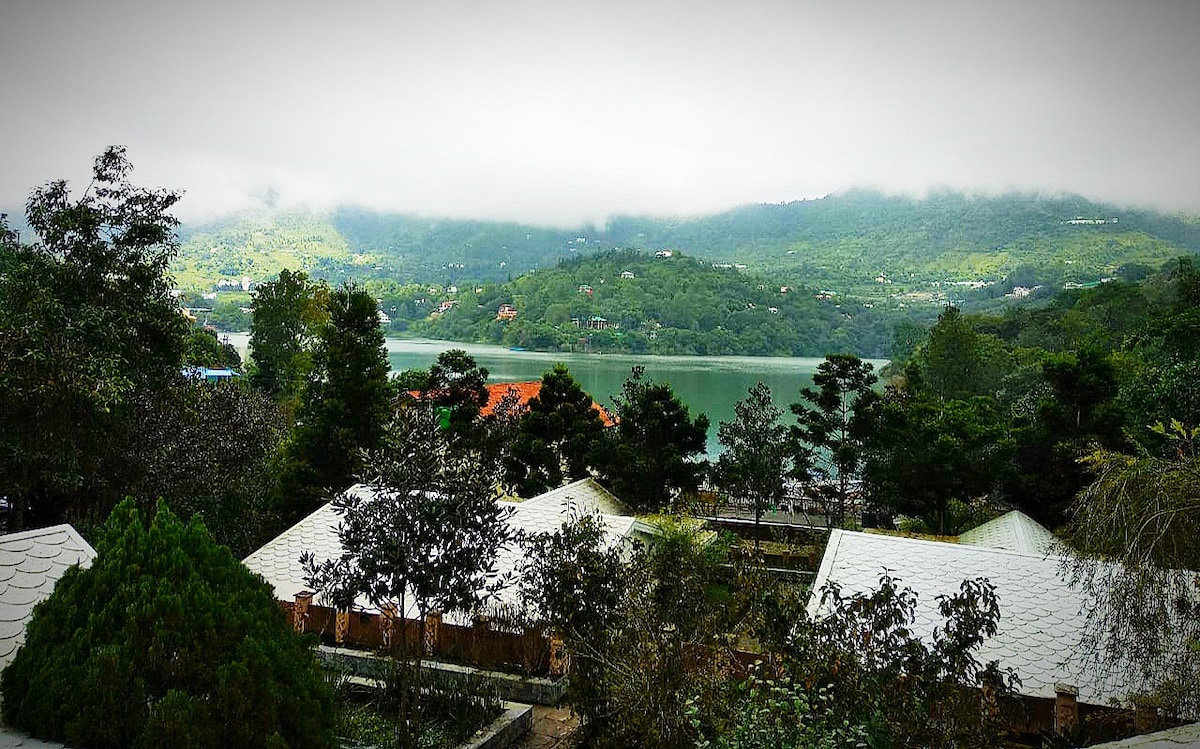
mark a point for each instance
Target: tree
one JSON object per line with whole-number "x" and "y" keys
{"x": 459, "y": 385}
{"x": 573, "y": 582}
{"x": 346, "y": 403}
{"x": 289, "y": 315}
{"x": 861, "y": 666}
{"x": 87, "y": 320}
{"x": 756, "y": 461}
{"x": 652, "y": 456}
{"x": 832, "y": 422}
{"x": 208, "y": 450}
{"x": 167, "y": 640}
{"x": 923, "y": 456}
{"x": 426, "y": 536}
{"x": 957, "y": 362}
{"x": 1133, "y": 532}
{"x": 639, "y": 633}
{"x": 556, "y": 436}
{"x": 203, "y": 349}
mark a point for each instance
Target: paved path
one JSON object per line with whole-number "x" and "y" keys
{"x": 553, "y": 728}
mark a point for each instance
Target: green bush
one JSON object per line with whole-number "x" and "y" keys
{"x": 167, "y": 640}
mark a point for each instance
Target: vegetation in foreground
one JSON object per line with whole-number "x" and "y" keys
{"x": 166, "y": 640}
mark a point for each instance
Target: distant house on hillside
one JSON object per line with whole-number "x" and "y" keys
{"x": 523, "y": 392}
{"x": 627, "y": 274}
{"x": 595, "y": 322}
{"x": 506, "y": 312}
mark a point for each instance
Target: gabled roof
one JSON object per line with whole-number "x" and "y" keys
{"x": 1041, "y": 616}
{"x": 584, "y": 496}
{"x": 1014, "y": 531}
{"x": 279, "y": 560}
{"x": 31, "y": 562}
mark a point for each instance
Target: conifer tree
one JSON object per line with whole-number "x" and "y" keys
{"x": 166, "y": 640}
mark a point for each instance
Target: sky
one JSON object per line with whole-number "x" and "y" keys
{"x": 562, "y": 112}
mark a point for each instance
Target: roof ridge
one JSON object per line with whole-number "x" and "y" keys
{"x": 975, "y": 547}
{"x": 35, "y": 532}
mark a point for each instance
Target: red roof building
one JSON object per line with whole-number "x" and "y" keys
{"x": 525, "y": 391}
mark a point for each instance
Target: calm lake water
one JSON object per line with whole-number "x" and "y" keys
{"x": 707, "y": 384}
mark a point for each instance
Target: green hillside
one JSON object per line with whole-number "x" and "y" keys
{"x": 860, "y": 243}
{"x": 636, "y": 302}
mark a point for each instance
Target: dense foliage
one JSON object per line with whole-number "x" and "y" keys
{"x": 87, "y": 323}
{"x": 635, "y": 302}
{"x": 167, "y": 640}
{"x": 843, "y": 241}
{"x": 556, "y": 437}
{"x": 344, "y": 408}
{"x": 1003, "y": 407}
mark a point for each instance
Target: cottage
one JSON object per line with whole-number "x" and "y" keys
{"x": 279, "y": 560}
{"x": 506, "y": 312}
{"x": 1042, "y": 616}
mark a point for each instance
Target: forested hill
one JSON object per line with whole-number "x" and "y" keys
{"x": 847, "y": 241}
{"x": 637, "y": 302}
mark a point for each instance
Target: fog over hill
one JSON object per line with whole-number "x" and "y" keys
{"x": 844, "y": 239}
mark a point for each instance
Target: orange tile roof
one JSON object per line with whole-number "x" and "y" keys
{"x": 526, "y": 391}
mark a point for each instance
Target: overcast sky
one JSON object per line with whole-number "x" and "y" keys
{"x": 563, "y": 112}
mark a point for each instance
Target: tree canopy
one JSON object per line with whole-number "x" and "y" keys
{"x": 87, "y": 321}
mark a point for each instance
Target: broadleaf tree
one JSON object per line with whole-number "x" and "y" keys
{"x": 424, "y": 538}
{"x": 87, "y": 320}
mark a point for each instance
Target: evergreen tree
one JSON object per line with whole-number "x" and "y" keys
{"x": 556, "y": 437}
{"x": 832, "y": 421}
{"x": 652, "y": 457}
{"x": 756, "y": 460}
{"x": 167, "y": 640}
{"x": 345, "y": 405}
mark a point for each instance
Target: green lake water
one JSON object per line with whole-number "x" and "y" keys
{"x": 707, "y": 384}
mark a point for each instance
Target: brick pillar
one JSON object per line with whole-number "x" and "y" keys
{"x": 1066, "y": 707}
{"x": 559, "y": 662}
{"x": 387, "y": 625}
{"x": 433, "y": 632}
{"x": 1145, "y": 718}
{"x": 341, "y": 626}
{"x": 300, "y": 610}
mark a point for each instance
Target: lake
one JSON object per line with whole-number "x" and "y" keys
{"x": 707, "y": 384}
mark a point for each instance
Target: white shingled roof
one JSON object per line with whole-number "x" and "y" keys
{"x": 279, "y": 560}
{"x": 1041, "y": 616}
{"x": 31, "y": 562}
{"x": 1014, "y": 531}
{"x": 584, "y": 496}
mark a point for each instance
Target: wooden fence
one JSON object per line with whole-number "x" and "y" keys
{"x": 484, "y": 644}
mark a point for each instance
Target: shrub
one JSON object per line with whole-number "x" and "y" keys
{"x": 167, "y": 640}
